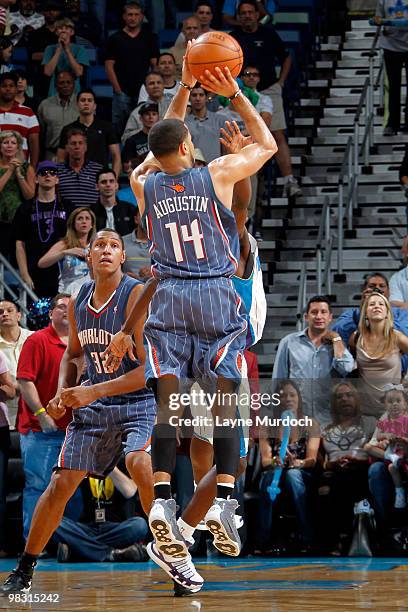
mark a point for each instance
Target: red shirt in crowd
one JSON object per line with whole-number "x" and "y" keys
{"x": 39, "y": 362}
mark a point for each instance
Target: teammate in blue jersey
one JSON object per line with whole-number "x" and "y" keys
{"x": 194, "y": 328}
{"x": 114, "y": 413}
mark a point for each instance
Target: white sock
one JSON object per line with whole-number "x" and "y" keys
{"x": 186, "y": 530}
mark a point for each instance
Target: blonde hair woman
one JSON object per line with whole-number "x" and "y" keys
{"x": 378, "y": 349}
{"x": 70, "y": 252}
{"x": 17, "y": 182}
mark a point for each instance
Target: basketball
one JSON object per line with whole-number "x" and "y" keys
{"x": 214, "y": 49}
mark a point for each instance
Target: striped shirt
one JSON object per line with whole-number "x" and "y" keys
{"x": 78, "y": 188}
{"x": 21, "y": 119}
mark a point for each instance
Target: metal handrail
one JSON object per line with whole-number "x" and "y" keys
{"x": 301, "y": 301}
{"x": 322, "y": 247}
{"x": 346, "y": 172}
{"x": 350, "y": 168}
{"x": 24, "y": 289}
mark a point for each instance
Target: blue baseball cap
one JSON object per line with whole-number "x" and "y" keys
{"x": 49, "y": 165}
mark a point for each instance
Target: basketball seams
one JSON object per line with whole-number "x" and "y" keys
{"x": 215, "y": 49}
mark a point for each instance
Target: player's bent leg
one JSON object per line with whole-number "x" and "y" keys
{"x": 139, "y": 466}
{"x": 220, "y": 518}
{"x": 162, "y": 517}
{"x": 202, "y": 457}
{"x": 47, "y": 516}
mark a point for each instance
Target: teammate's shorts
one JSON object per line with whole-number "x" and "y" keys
{"x": 204, "y": 430}
{"x": 99, "y": 434}
{"x": 195, "y": 330}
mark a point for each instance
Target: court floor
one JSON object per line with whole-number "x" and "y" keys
{"x": 270, "y": 585}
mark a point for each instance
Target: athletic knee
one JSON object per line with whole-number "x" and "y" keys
{"x": 139, "y": 461}
{"x": 62, "y": 485}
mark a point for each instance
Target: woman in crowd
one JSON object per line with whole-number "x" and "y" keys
{"x": 378, "y": 347}
{"x": 17, "y": 183}
{"x": 297, "y": 476}
{"x": 70, "y": 252}
{"x": 344, "y": 481}
{"x": 388, "y": 446}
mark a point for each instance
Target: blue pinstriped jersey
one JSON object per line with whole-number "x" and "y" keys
{"x": 191, "y": 233}
{"x": 95, "y": 331}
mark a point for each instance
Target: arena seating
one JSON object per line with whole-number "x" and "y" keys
{"x": 324, "y": 122}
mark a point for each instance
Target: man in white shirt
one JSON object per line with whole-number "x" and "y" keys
{"x": 399, "y": 281}
{"x": 12, "y": 338}
{"x": 166, "y": 66}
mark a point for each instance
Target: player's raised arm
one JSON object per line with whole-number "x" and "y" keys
{"x": 121, "y": 342}
{"x": 178, "y": 105}
{"x": 234, "y": 141}
{"x": 252, "y": 157}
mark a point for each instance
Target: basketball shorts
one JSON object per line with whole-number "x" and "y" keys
{"x": 203, "y": 430}
{"x": 99, "y": 434}
{"x": 195, "y": 330}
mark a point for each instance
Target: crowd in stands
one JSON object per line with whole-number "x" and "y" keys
{"x": 65, "y": 161}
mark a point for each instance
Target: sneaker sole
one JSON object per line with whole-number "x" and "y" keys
{"x": 222, "y": 541}
{"x": 167, "y": 543}
{"x": 164, "y": 566}
{"x": 7, "y": 593}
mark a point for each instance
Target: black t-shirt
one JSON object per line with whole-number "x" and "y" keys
{"x": 117, "y": 507}
{"x": 100, "y": 134}
{"x": 132, "y": 58}
{"x": 39, "y": 225}
{"x": 136, "y": 148}
{"x": 263, "y": 49}
{"x": 39, "y": 39}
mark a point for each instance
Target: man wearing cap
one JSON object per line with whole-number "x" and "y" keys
{"x": 21, "y": 119}
{"x": 65, "y": 55}
{"x": 155, "y": 89}
{"x": 38, "y": 224}
{"x": 199, "y": 159}
{"x": 103, "y": 142}
{"x": 136, "y": 147}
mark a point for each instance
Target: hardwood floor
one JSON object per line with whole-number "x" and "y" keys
{"x": 286, "y": 585}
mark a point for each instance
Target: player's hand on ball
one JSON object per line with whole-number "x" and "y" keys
{"x": 120, "y": 345}
{"x": 219, "y": 82}
{"x": 186, "y": 76}
{"x": 55, "y": 409}
{"x": 77, "y": 397}
{"x": 232, "y": 138}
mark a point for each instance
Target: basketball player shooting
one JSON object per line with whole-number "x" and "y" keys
{"x": 194, "y": 326}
